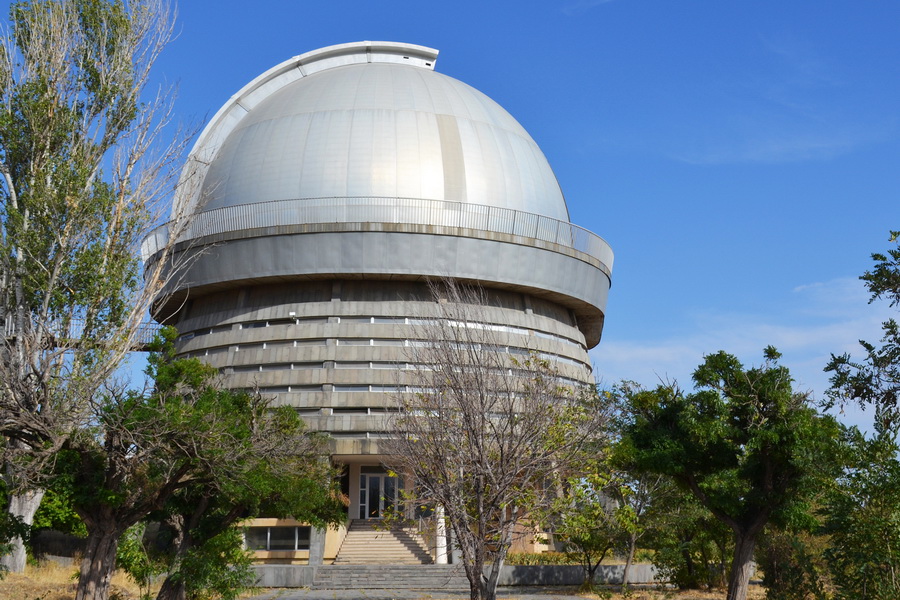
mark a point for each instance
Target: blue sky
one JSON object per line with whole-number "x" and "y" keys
{"x": 742, "y": 158}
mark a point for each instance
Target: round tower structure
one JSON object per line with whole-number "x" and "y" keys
{"x": 326, "y": 193}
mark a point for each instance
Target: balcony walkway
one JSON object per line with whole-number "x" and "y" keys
{"x": 68, "y": 335}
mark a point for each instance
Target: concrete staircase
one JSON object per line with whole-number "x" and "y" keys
{"x": 407, "y": 577}
{"x": 367, "y": 544}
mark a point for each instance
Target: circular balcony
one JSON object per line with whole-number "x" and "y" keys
{"x": 347, "y": 214}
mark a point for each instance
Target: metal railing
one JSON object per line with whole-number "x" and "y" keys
{"x": 68, "y": 333}
{"x": 416, "y": 211}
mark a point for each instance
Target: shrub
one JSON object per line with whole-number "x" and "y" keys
{"x": 793, "y": 566}
{"x": 540, "y": 558}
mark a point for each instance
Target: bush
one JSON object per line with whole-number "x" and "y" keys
{"x": 138, "y": 559}
{"x": 691, "y": 548}
{"x": 793, "y": 566}
{"x": 220, "y": 568}
{"x": 540, "y": 558}
{"x": 694, "y": 564}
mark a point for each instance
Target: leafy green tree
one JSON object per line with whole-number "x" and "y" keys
{"x": 217, "y": 568}
{"x": 863, "y": 514}
{"x": 56, "y": 510}
{"x": 638, "y": 492}
{"x": 587, "y": 521}
{"x": 745, "y": 444}
{"x": 82, "y": 178}
{"x": 201, "y": 519}
{"x": 791, "y": 552}
{"x": 55, "y": 514}
{"x": 138, "y": 560}
{"x": 863, "y": 520}
{"x": 184, "y": 435}
{"x": 634, "y": 494}
{"x": 875, "y": 382}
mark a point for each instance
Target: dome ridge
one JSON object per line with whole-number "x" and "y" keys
{"x": 296, "y": 67}
{"x": 369, "y": 119}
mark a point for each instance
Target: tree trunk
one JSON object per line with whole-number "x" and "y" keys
{"x": 690, "y": 572}
{"x": 475, "y": 586}
{"x": 23, "y": 506}
{"x": 590, "y": 573}
{"x": 475, "y": 574}
{"x": 632, "y": 542}
{"x": 489, "y": 583}
{"x": 739, "y": 577}
{"x": 172, "y": 590}
{"x": 98, "y": 565}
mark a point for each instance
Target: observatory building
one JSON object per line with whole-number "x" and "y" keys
{"x": 328, "y": 191}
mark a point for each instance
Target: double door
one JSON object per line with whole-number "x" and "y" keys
{"x": 378, "y": 494}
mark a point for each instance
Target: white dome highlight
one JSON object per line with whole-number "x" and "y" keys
{"x": 371, "y": 119}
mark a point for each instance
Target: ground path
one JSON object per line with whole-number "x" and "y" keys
{"x": 518, "y": 593}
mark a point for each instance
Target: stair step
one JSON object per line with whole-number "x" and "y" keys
{"x": 370, "y": 542}
{"x": 390, "y": 576}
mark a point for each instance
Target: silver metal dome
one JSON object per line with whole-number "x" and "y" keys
{"x": 372, "y": 119}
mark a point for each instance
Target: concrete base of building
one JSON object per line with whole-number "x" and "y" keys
{"x": 285, "y": 576}
{"x": 513, "y": 575}
{"x": 406, "y": 577}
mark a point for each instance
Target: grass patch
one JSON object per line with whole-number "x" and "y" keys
{"x": 51, "y": 581}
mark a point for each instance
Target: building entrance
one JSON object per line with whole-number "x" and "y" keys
{"x": 378, "y": 494}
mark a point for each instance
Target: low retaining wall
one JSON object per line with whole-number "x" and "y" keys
{"x": 573, "y": 574}
{"x": 285, "y": 576}
{"x": 293, "y": 576}
{"x": 46, "y": 542}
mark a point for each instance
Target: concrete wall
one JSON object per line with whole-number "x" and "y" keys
{"x": 55, "y": 545}
{"x": 336, "y": 350}
{"x": 285, "y": 576}
{"x": 573, "y": 574}
{"x": 291, "y": 576}
{"x": 579, "y": 285}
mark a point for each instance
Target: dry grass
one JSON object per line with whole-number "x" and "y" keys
{"x": 755, "y": 593}
{"x": 51, "y": 581}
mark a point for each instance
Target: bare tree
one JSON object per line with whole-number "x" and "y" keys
{"x": 486, "y": 435}
{"x": 84, "y": 173}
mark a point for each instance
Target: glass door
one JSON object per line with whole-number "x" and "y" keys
{"x": 377, "y": 494}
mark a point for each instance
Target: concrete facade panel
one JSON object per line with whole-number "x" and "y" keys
{"x": 557, "y": 276}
